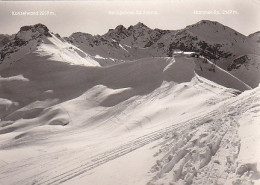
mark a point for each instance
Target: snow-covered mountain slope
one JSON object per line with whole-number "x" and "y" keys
{"x": 211, "y": 39}
{"x": 138, "y": 35}
{"x": 208, "y": 38}
{"x": 133, "y": 121}
{"x": 60, "y": 50}
{"x": 216, "y": 42}
{"x": 247, "y": 67}
{"x": 106, "y": 51}
{"x": 208, "y": 70}
{"x": 223, "y": 38}
{"x": 38, "y": 39}
{"x": 28, "y": 56}
{"x": 119, "y": 43}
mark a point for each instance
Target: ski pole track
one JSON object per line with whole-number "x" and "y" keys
{"x": 102, "y": 158}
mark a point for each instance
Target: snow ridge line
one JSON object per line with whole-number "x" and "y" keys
{"x": 229, "y": 74}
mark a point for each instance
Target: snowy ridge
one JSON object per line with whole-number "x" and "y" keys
{"x": 217, "y": 68}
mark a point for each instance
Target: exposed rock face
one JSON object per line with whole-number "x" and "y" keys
{"x": 238, "y": 62}
{"x": 30, "y": 32}
{"x": 4, "y": 39}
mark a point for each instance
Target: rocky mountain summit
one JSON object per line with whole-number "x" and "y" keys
{"x": 209, "y": 39}
{"x": 27, "y": 36}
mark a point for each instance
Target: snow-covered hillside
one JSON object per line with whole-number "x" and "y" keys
{"x": 149, "y": 116}
{"x": 248, "y": 69}
{"x": 38, "y": 39}
{"x": 127, "y": 114}
{"x": 60, "y": 81}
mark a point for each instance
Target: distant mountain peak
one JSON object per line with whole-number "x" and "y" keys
{"x": 120, "y": 27}
{"x": 27, "y": 36}
{"x": 81, "y": 34}
{"x": 37, "y": 27}
{"x": 213, "y": 26}
{"x": 117, "y": 30}
{"x": 207, "y": 22}
{"x": 33, "y": 31}
{"x": 140, "y": 25}
{"x": 204, "y": 23}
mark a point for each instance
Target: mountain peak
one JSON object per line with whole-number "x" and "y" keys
{"x": 120, "y": 27}
{"x": 214, "y": 26}
{"x": 37, "y": 27}
{"x": 140, "y": 25}
{"x": 33, "y": 31}
{"x": 78, "y": 34}
{"x": 207, "y": 22}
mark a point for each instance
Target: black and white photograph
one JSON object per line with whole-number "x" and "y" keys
{"x": 130, "y": 92}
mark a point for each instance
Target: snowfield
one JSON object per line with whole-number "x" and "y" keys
{"x": 143, "y": 122}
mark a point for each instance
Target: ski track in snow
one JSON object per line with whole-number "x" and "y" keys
{"x": 202, "y": 150}
{"x": 205, "y": 154}
{"x": 95, "y": 161}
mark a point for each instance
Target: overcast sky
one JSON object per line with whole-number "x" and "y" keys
{"x": 96, "y": 17}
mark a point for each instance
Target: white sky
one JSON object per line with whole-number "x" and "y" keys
{"x": 93, "y": 16}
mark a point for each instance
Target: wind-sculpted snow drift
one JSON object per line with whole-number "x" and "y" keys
{"x": 153, "y": 120}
